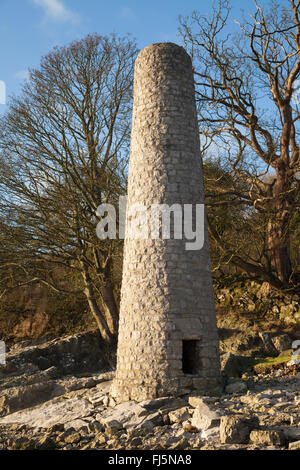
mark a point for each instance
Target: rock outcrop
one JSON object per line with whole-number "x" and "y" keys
{"x": 47, "y": 409}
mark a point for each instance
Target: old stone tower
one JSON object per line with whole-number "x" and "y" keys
{"x": 168, "y": 342}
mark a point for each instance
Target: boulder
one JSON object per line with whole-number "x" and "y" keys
{"x": 180, "y": 415}
{"x": 267, "y": 437}
{"x": 233, "y": 365}
{"x": 205, "y": 417}
{"x": 235, "y": 429}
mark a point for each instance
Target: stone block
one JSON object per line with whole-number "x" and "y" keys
{"x": 267, "y": 437}
{"x": 235, "y": 429}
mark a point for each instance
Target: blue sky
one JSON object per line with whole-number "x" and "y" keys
{"x": 30, "y": 29}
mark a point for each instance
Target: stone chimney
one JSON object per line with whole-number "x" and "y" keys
{"x": 168, "y": 343}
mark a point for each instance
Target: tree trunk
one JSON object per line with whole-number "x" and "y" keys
{"x": 278, "y": 248}
{"x": 89, "y": 292}
{"x": 110, "y": 307}
{"x": 278, "y": 232}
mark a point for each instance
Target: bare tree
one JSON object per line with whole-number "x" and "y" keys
{"x": 245, "y": 86}
{"x": 64, "y": 147}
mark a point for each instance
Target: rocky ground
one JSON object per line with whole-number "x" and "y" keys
{"x": 49, "y": 401}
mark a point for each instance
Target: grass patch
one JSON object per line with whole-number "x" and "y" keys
{"x": 272, "y": 363}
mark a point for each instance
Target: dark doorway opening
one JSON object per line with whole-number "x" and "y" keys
{"x": 190, "y": 356}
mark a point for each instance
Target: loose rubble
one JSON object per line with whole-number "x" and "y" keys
{"x": 46, "y": 408}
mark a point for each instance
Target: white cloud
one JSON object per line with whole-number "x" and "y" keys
{"x": 127, "y": 13}
{"x": 22, "y": 75}
{"x": 56, "y": 10}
